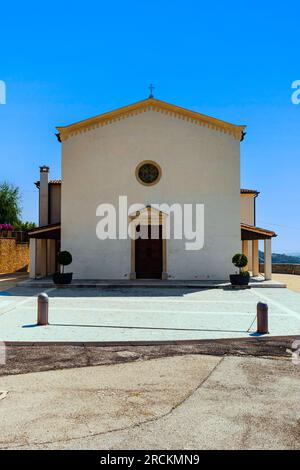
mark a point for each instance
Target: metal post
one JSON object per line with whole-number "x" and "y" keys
{"x": 262, "y": 318}
{"x": 42, "y": 313}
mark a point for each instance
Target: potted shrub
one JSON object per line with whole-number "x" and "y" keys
{"x": 64, "y": 259}
{"x": 241, "y": 278}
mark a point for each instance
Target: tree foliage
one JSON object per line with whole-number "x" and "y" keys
{"x": 64, "y": 258}
{"x": 25, "y": 226}
{"x": 240, "y": 261}
{"x": 10, "y": 209}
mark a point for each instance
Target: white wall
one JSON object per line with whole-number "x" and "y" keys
{"x": 199, "y": 165}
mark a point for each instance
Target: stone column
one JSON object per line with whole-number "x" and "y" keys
{"x": 268, "y": 259}
{"x": 255, "y": 264}
{"x": 51, "y": 247}
{"x": 44, "y": 257}
{"x": 32, "y": 255}
{"x": 41, "y": 257}
{"x": 245, "y": 244}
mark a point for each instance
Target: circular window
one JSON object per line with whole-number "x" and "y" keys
{"x": 148, "y": 173}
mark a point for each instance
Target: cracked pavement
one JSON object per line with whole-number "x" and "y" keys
{"x": 181, "y": 402}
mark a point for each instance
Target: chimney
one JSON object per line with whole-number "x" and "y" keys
{"x": 44, "y": 196}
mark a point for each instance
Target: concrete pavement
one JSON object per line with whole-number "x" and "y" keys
{"x": 8, "y": 281}
{"x": 70, "y": 404}
{"x": 190, "y": 402}
{"x": 119, "y": 315}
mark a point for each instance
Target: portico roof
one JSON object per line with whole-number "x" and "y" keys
{"x": 51, "y": 231}
{"x": 250, "y": 232}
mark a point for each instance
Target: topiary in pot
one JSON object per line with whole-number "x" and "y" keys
{"x": 242, "y": 278}
{"x": 64, "y": 258}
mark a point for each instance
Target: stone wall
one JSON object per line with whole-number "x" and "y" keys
{"x": 14, "y": 256}
{"x": 283, "y": 268}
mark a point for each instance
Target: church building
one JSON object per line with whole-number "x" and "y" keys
{"x": 156, "y": 157}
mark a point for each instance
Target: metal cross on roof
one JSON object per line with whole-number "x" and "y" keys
{"x": 151, "y": 88}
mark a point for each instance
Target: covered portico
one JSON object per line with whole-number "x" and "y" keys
{"x": 44, "y": 246}
{"x": 250, "y": 237}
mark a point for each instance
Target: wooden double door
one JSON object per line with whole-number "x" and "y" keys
{"x": 149, "y": 252}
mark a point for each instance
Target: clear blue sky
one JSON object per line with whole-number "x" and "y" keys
{"x": 65, "y": 61}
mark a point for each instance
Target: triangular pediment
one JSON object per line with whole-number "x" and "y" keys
{"x": 150, "y": 104}
{"x": 148, "y": 212}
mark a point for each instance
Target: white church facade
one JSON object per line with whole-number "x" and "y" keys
{"x": 158, "y": 156}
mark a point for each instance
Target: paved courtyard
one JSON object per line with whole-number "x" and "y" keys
{"x": 140, "y": 314}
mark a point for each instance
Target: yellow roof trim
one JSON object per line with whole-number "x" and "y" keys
{"x": 249, "y": 194}
{"x": 150, "y": 104}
